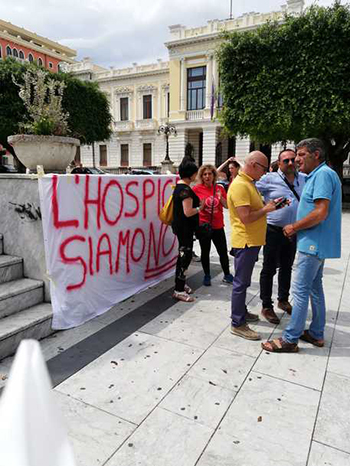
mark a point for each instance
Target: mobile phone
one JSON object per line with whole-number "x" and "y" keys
{"x": 281, "y": 203}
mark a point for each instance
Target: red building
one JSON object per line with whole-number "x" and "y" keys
{"x": 21, "y": 44}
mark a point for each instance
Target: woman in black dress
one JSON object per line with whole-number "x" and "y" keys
{"x": 186, "y": 219}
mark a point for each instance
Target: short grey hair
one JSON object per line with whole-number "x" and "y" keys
{"x": 313, "y": 145}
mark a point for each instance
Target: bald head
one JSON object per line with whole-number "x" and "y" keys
{"x": 256, "y": 164}
{"x": 256, "y": 156}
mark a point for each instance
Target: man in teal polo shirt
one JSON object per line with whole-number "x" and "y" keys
{"x": 318, "y": 229}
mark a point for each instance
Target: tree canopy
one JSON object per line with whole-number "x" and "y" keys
{"x": 289, "y": 81}
{"x": 89, "y": 115}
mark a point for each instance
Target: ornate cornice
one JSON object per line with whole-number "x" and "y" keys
{"x": 123, "y": 90}
{"x": 147, "y": 88}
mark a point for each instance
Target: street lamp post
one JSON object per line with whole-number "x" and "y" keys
{"x": 167, "y": 129}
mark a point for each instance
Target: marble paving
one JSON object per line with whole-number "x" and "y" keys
{"x": 181, "y": 390}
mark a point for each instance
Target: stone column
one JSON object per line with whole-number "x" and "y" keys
{"x": 242, "y": 149}
{"x": 210, "y": 139}
{"x": 177, "y": 146}
{"x": 183, "y": 85}
{"x": 209, "y": 81}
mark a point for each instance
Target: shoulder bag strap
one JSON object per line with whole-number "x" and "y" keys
{"x": 212, "y": 205}
{"x": 291, "y": 188}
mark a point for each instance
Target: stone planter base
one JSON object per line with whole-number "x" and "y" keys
{"x": 54, "y": 153}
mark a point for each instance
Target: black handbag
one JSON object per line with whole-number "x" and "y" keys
{"x": 205, "y": 230}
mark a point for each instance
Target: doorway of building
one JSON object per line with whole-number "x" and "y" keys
{"x": 264, "y": 148}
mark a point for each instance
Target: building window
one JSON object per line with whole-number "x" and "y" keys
{"x": 8, "y": 51}
{"x": 147, "y": 155}
{"x": 21, "y": 55}
{"x": 124, "y": 109}
{"x": 40, "y": 62}
{"x": 168, "y": 104}
{"x": 15, "y": 53}
{"x": 50, "y": 65}
{"x": 0, "y": 51}
{"x": 30, "y": 58}
{"x": 124, "y": 155}
{"x": 147, "y": 107}
{"x": 196, "y": 81}
{"x": 103, "y": 155}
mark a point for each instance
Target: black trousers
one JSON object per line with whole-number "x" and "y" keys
{"x": 185, "y": 238}
{"x": 279, "y": 252}
{"x": 219, "y": 239}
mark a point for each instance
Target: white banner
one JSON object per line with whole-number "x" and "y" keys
{"x": 103, "y": 240}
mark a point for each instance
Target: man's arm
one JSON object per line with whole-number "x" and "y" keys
{"x": 316, "y": 216}
{"x": 247, "y": 215}
{"x": 263, "y": 184}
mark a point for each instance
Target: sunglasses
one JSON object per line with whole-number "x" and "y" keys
{"x": 286, "y": 161}
{"x": 262, "y": 166}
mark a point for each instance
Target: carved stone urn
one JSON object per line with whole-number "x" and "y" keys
{"x": 54, "y": 153}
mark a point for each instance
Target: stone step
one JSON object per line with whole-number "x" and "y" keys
{"x": 20, "y": 294}
{"x": 11, "y": 268}
{"x": 34, "y": 322}
{"x": 1, "y": 244}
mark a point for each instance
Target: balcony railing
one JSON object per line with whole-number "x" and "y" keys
{"x": 195, "y": 115}
{"x": 123, "y": 125}
{"x": 149, "y": 124}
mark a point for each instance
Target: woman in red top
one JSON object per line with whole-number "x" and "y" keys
{"x": 214, "y": 197}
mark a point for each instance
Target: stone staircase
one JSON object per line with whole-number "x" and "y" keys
{"x": 23, "y": 314}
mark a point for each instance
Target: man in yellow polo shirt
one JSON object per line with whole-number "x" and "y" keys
{"x": 248, "y": 233}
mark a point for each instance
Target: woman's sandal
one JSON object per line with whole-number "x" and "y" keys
{"x": 280, "y": 346}
{"x": 309, "y": 339}
{"x": 188, "y": 290}
{"x": 183, "y": 296}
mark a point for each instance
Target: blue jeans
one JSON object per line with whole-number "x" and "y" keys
{"x": 307, "y": 283}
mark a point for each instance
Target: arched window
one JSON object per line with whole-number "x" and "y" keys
{"x": 15, "y": 53}
{"x": 40, "y": 62}
{"x": 8, "y": 51}
{"x": 0, "y": 51}
{"x": 50, "y": 65}
{"x": 21, "y": 55}
{"x": 30, "y": 58}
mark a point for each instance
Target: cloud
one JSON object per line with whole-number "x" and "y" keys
{"x": 119, "y": 32}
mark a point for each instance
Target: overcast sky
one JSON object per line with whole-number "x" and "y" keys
{"x": 120, "y": 32}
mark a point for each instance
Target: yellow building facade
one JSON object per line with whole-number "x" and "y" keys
{"x": 182, "y": 92}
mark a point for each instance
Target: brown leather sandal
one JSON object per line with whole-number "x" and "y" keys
{"x": 309, "y": 339}
{"x": 280, "y": 346}
{"x": 183, "y": 296}
{"x": 188, "y": 289}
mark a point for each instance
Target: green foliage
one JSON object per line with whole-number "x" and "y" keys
{"x": 42, "y": 95}
{"x": 290, "y": 81}
{"x": 12, "y": 109}
{"x": 44, "y": 127}
{"x": 89, "y": 116}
